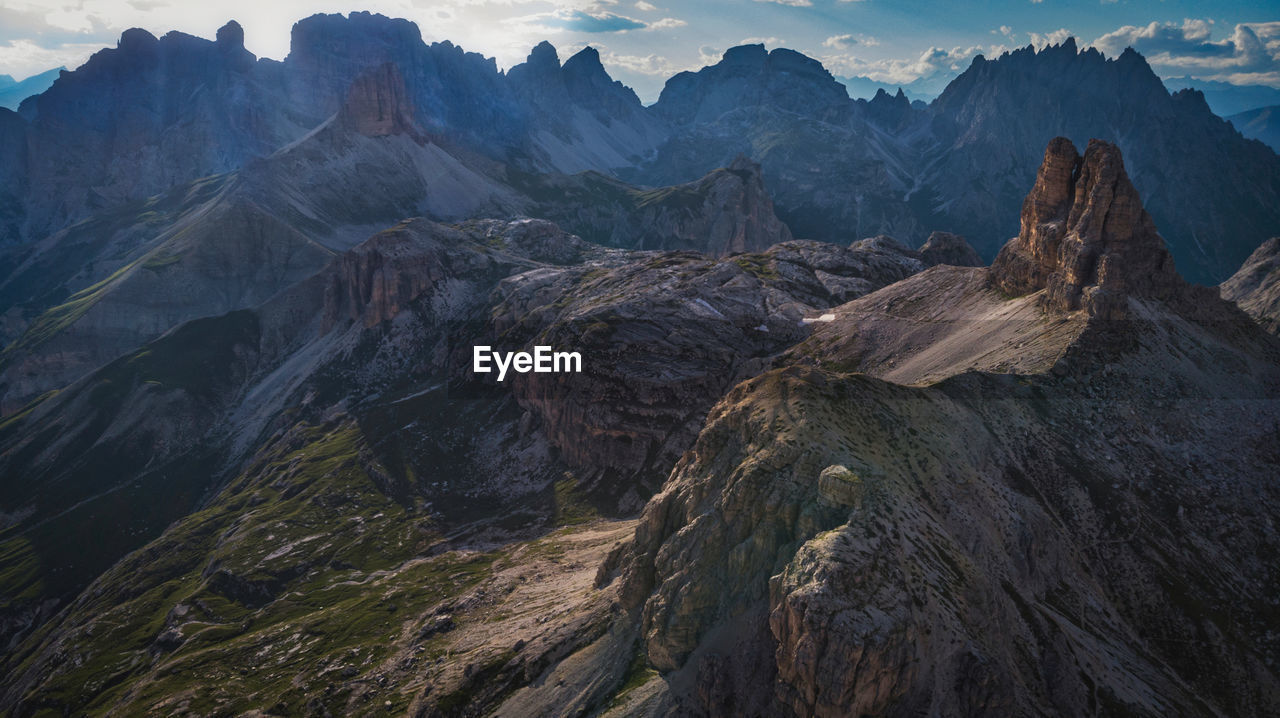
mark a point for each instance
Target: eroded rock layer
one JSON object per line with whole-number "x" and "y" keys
{"x": 1085, "y": 237}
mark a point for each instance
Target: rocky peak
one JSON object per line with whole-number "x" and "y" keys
{"x": 754, "y": 55}
{"x": 590, "y": 85}
{"x": 885, "y": 97}
{"x": 740, "y": 210}
{"x": 1195, "y": 158}
{"x": 540, "y": 79}
{"x": 378, "y": 105}
{"x": 543, "y": 57}
{"x": 890, "y": 111}
{"x": 1062, "y": 73}
{"x": 1068, "y": 47}
{"x": 1193, "y": 99}
{"x": 230, "y": 36}
{"x": 328, "y": 52}
{"x": 742, "y": 163}
{"x": 950, "y": 249}
{"x": 585, "y": 64}
{"x": 323, "y": 39}
{"x": 1085, "y": 236}
{"x": 749, "y": 76}
{"x": 136, "y": 39}
{"x": 230, "y": 42}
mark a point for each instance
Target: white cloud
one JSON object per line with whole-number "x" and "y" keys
{"x": 848, "y": 40}
{"x": 665, "y": 23}
{"x": 792, "y": 3}
{"x": 932, "y": 63}
{"x": 1057, "y": 37}
{"x": 653, "y": 64}
{"x": 1250, "y": 54}
{"x": 646, "y": 7}
{"x": 23, "y": 58}
{"x": 839, "y": 41}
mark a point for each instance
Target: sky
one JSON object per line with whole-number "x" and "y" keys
{"x": 643, "y": 42}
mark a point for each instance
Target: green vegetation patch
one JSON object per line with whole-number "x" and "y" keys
{"x": 54, "y": 320}
{"x": 571, "y": 506}
{"x": 160, "y": 260}
{"x": 683, "y": 197}
{"x": 13, "y": 419}
{"x": 757, "y": 265}
{"x": 301, "y": 575}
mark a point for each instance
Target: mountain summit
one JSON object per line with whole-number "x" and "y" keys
{"x": 1085, "y": 236}
{"x": 1190, "y": 164}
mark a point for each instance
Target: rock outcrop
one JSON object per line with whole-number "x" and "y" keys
{"x": 581, "y": 118}
{"x": 750, "y": 75}
{"x": 995, "y": 562}
{"x": 1085, "y": 239}
{"x": 725, "y": 212}
{"x": 1187, "y": 160}
{"x": 378, "y": 104}
{"x": 728, "y": 210}
{"x": 663, "y": 336}
{"x": 950, "y": 249}
{"x": 1256, "y": 287}
{"x": 940, "y": 248}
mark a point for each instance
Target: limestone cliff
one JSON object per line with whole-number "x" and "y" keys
{"x": 378, "y": 105}
{"x": 1085, "y": 238}
{"x": 725, "y": 212}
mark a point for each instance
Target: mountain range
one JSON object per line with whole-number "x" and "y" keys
{"x": 92, "y": 208}
{"x": 13, "y": 92}
{"x": 1262, "y": 124}
{"x": 541, "y": 116}
{"x": 1225, "y": 98}
{"x": 887, "y": 408}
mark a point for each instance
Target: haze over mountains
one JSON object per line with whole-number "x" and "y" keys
{"x": 1262, "y": 124}
{"x": 13, "y": 92}
{"x": 541, "y": 117}
{"x": 1226, "y": 99}
{"x": 245, "y": 465}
